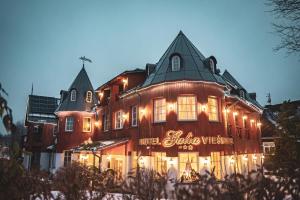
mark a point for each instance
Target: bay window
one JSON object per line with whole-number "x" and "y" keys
{"x": 159, "y": 110}
{"x": 186, "y": 108}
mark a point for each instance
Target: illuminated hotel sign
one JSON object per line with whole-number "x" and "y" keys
{"x": 175, "y": 138}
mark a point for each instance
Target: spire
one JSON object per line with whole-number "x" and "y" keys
{"x": 81, "y": 85}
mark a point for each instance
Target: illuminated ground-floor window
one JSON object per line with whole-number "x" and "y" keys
{"x": 216, "y": 163}
{"x": 160, "y": 162}
{"x": 117, "y": 166}
{"x": 188, "y": 164}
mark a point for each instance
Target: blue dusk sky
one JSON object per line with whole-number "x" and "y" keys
{"x": 41, "y": 41}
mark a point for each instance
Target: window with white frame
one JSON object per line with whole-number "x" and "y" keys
{"x": 213, "y": 114}
{"x": 159, "y": 110}
{"x": 186, "y": 108}
{"x": 106, "y": 121}
{"x": 69, "y": 124}
{"x": 134, "y": 116}
{"x": 87, "y": 126}
{"x": 119, "y": 120}
{"x": 73, "y": 95}
{"x": 175, "y": 63}
{"x": 67, "y": 158}
{"x": 89, "y": 96}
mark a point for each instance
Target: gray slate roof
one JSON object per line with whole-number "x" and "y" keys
{"x": 81, "y": 84}
{"x": 192, "y": 65}
{"x": 41, "y": 109}
{"x": 233, "y": 82}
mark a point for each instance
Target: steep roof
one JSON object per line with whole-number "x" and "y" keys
{"x": 234, "y": 83}
{"x": 192, "y": 64}
{"x": 41, "y": 108}
{"x": 81, "y": 84}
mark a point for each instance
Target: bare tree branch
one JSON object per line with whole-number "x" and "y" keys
{"x": 288, "y": 29}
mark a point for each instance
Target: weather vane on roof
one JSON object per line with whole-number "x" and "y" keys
{"x": 83, "y": 58}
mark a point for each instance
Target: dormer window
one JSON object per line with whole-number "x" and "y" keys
{"x": 212, "y": 65}
{"x": 89, "y": 96}
{"x": 175, "y": 63}
{"x": 73, "y": 95}
{"x": 242, "y": 94}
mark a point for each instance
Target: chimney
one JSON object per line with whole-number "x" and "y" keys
{"x": 252, "y": 95}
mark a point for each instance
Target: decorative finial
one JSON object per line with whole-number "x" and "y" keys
{"x": 83, "y": 58}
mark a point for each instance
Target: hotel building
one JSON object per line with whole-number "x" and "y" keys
{"x": 179, "y": 113}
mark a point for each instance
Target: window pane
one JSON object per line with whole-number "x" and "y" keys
{"x": 213, "y": 114}
{"x": 87, "y": 124}
{"x": 159, "y": 110}
{"x": 187, "y": 108}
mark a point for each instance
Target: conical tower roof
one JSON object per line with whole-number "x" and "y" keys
{"x": 81, "y": 85}
{"x": 192, "y": 64}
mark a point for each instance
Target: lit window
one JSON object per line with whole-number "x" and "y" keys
{"x": 87, "y": 124}
{"x": 89, "y": 96}
{"x": 216, "y": 163}
{"x": 159, "y": 110}
{"x": 175, "y": 63}
{"x": 187, "y": 163}
{"x": 73, "y": 95}
{"x": 106, "y": 121}
{"x": 69, "y": 124}
{"x": 213, "y": 114}
{"x": 67, "y": 158}
{"x": 134, "y": 116}
{"x": 186, "y": 108}
{"x": 160, "y": 162}
{"x": 119, "y": 120}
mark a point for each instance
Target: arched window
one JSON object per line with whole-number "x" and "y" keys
{"x": 73, "y": 95}
{"x": 212, "y": 65}
{"x": 175, "y": 63}
{"x": 89, "y": 96}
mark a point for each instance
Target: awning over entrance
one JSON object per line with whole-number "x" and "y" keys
{"x": 99, "y": 145}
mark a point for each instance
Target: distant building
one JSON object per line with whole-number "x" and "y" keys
{"x": 269, "y": 120}
{"x": 179, "y": 113}
{"x": 41, "y": 126}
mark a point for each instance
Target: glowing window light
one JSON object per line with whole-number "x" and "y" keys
{"x": 97, "y": 124}
{"x": 125, "y": 116}
{"x": 254, "y": 157}
{"x": 100, "y": 95}
{"x": 125, "y": 81}
{"x": 259, "y": 124}
{"x": 245, "y": 117}
{"x": 109, "y": 157}
{"x": 235, "y": 113}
